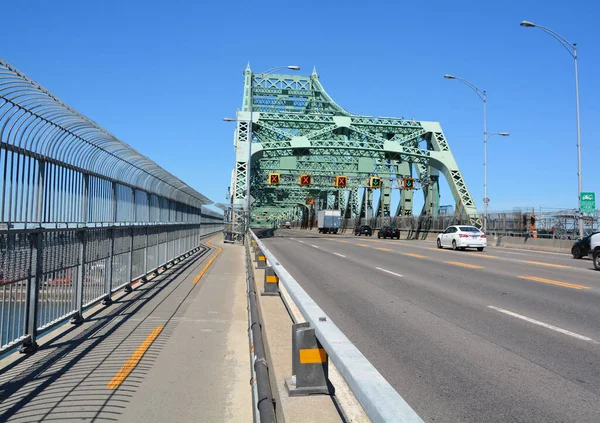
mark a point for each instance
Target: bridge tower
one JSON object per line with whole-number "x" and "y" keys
{"x": 298, "y": 129}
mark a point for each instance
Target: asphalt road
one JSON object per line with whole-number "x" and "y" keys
{"x": 499, "y": 336}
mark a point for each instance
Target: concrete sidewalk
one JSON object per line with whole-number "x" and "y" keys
{"x": 195, "y": 365}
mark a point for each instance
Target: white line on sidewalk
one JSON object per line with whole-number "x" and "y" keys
{"x": 546, "y": 325}
{"x": 341, "y": 255}
{"x": 390, "y": 272}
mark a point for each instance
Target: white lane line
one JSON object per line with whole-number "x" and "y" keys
{"x": 314, "y": 246}
{"x": 301, "y": 241}
{"x": 390, "y": 272}
{"x": 546, "y": 325}
{"x": 341, "y": 255}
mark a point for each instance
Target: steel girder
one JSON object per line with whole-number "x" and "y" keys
{"x": 298, "y": 128}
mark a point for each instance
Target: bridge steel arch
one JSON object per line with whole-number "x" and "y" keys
{"x": 297, "y": 128}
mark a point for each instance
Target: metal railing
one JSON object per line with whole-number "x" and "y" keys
{"x": 555, "y": 224}
{"x": 82, "y": 214}
{"x": 378, "y": 398}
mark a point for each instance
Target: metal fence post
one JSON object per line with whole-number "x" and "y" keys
{"x": 30, "y": 345}
{"x": 144, "y": 279}
{"x": 128, "y": 287}
{"x": 109, "y": 273}
{"x": 78, "y": 318}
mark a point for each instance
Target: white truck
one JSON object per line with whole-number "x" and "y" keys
{"x": 594, "y": 250}
{"x": 328, "y": 221}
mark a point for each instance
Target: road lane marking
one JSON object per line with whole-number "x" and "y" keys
{"x": 205, "y": 268}
{"x": 390, "y": 272}
{"x": 340, "y": 240}
{"x": 546, "y": 325}
{"x": 134, "y": 359}
{"x": 301, "y": 241}
{"x": 481, "y": 255}
{"x": 383, "y": 249}
{"x": 552, "y": 282}
{"x": 341, "y": 255}
{"x": 461, "y": 264}
{"x": 539, "y": 263}
{"x": 361, "y": 245}
{"x": 415, "y": 255}
{"x": 314, "y": 246}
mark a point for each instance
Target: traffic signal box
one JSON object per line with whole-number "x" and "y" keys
{"x": 409, "y": 183}
{"x": 305, "y": 180}
{"x": 341, "y": 181}
{"x": 274, "y": 178}
{"x": 375, "y": 182}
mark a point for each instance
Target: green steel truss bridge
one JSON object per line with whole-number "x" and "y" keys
{"x": 298, "y": 129}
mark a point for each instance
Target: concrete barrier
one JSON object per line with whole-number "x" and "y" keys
{"x": 535, "y": 244}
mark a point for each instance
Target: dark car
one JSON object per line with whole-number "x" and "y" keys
{"x": 389, "y": 232}
{"x": 581, "y": 247}
{"x": 363, "y": 230}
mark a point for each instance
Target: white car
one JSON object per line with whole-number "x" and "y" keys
{"x": 462, "y": 236}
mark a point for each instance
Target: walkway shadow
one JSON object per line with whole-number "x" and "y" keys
{"x": 67, "y": 378}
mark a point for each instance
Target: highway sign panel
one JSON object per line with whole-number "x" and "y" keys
{"x": 587, "y": 202}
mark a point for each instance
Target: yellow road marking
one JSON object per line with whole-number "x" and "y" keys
{"x": 437, "y": 249}
{"x": 340, "y": 240}
{"x": 383, "y": 249}
{"x": 134, "y": 359}
{"x": 415, "y": 255}
{"x": 458, "y": 263}
{"x": 312, "y": 355}
{"x": 361, "y": 245}
{"x": 205, "y": 268}
{"x": 481, "y": 255}
{"x": 550, "y": 281}
{"x": 560, "y": 266}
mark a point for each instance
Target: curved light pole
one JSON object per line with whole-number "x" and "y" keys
{"x": 250, "y": 134}
{"x": 483, "y": 97}
{"x": 572, "y": 49}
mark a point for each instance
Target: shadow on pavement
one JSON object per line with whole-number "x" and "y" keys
{"x": 67, "y": 378}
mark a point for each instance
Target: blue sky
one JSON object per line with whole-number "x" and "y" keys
{"x": 162, "y": 75}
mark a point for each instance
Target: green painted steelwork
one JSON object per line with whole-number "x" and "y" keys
{"x": 298, "y": 129}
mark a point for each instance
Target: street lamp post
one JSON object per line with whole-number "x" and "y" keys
{"x": 483, "y": 97}
{"x": 250, "y": 134}
{"x": 572, "y": 49}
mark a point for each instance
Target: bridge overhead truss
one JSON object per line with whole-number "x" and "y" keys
{"x": 298, "y": 129}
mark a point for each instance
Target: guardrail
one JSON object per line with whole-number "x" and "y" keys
{"x": 261, "y": 387}
{"x": 81, "y": 212}
{"x": 51, "y": 275}
{"x": 378, "y": 398}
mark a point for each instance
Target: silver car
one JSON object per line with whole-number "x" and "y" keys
{"x": 462, "y": 236}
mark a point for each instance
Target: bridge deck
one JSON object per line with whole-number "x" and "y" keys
{"x": 171, "y": 350}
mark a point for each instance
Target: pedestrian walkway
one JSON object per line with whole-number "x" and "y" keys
{"x": 173, "y": 350}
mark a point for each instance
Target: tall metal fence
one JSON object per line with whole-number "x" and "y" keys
{"x": 530, "y": 222}
{"x": 82, "y": 214}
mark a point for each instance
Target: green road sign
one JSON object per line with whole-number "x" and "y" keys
{"x": 587, "y": 202}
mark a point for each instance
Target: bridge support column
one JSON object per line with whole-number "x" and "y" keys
{"x": 310, "y": 369}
